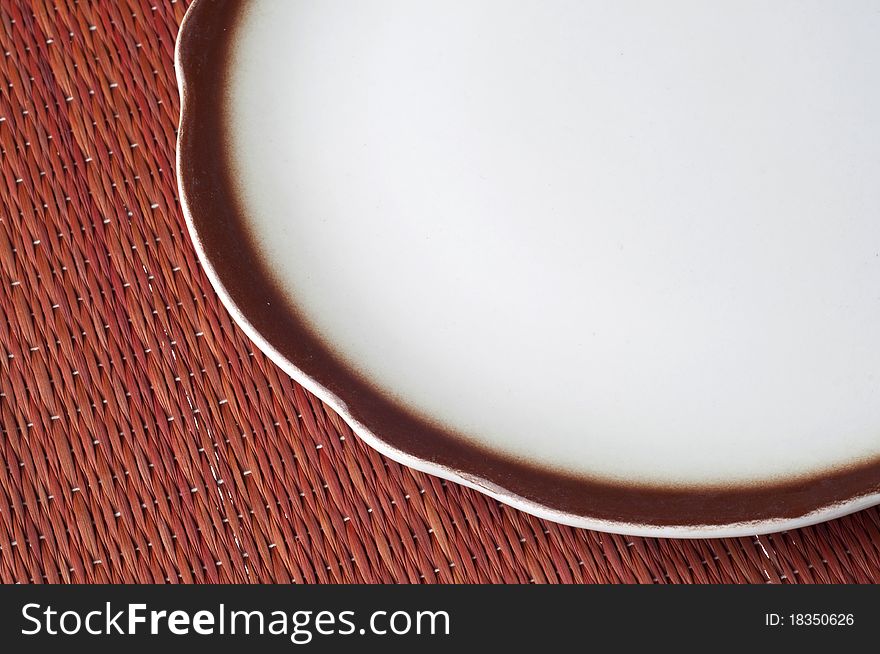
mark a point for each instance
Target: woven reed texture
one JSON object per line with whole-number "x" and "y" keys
{"x": 143, "y": 437}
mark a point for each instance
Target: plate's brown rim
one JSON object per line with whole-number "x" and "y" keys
{"x": 218, "y": 228}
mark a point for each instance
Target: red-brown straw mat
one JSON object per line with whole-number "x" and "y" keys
{"x": 144, "y": 439}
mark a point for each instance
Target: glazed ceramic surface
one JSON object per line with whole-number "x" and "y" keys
{"x": 600, "y": 247}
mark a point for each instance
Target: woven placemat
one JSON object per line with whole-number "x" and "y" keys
{"x": 143, "y": 437}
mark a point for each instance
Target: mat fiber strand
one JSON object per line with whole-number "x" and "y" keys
{"x": 144, "y": 439}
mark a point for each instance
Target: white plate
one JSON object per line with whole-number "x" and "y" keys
{"x": 616, "y": 263}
